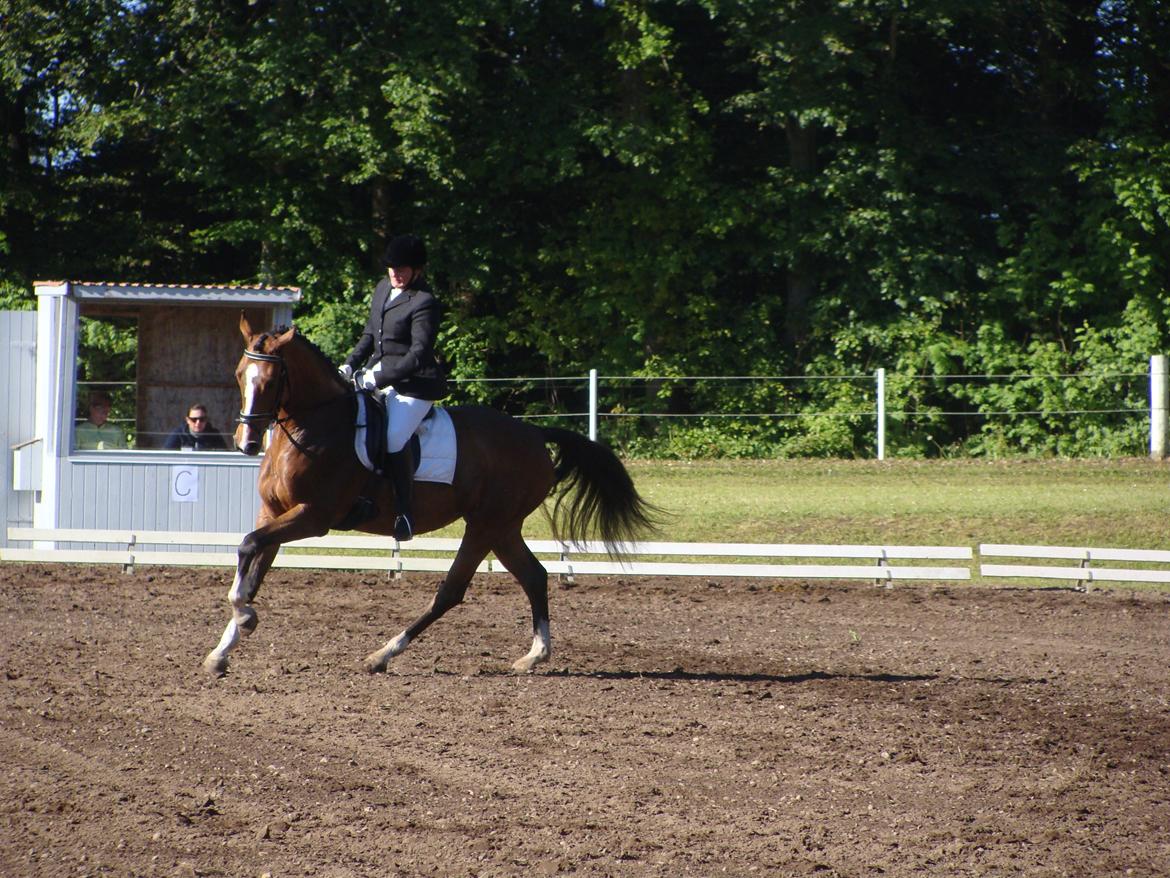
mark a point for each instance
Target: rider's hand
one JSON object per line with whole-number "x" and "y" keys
{"x": 346, "y": 371}
{"x": 364, "y": 379}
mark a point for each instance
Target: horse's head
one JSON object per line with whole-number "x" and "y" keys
{"x": 263, "y": 378}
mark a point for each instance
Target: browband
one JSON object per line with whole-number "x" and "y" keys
{"x": 264, "y": 358}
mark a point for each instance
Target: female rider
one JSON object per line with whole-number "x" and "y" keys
{"x": 397, "y": 347}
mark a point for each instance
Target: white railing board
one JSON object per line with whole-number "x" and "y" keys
{"x": 375, "y": 543}
{"x": 184, "y": 559}
{"x": 761, "y": 550}
{"x": 435, "y": 544}
{"x": 367, "y": 562}
{"x": 79, "y": 535}
{"x": 776, "y": 571}
{"x": 221, "y": 559}
{"x": 68, "y": 556}
{"x": 207, "y": 538}
{"x": 123, "y": 537}
{"x": 1074, "y": 553}
{"x": 1083, "y": 574}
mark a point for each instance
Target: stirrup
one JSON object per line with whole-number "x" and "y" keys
{"x": 402, "y": 529}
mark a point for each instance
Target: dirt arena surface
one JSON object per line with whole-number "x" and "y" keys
{"x": 683, "y": 727}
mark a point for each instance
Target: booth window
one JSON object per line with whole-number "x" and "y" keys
{"x": 107, "y": 387}
{"x": 155, "y": 361}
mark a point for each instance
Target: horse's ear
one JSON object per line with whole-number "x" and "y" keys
{"x": 286, "y": 336}
{"x": 246, "y": 327}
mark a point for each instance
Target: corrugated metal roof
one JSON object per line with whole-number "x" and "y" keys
{"x": 155, "y": 292}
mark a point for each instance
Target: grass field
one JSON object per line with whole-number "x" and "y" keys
{"x": 1114, "y": 503}
{"x": 1099, "y": 503}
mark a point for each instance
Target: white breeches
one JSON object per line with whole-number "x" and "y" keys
{"x": 403, "y": 415}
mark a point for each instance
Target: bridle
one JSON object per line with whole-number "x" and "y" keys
{"x": 250, "y": 418}
{"x": 283, "y": 383}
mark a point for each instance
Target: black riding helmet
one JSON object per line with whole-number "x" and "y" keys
{"x": 405, "y": 251}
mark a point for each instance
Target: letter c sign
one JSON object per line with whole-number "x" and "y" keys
{"x": 184, "y": 484}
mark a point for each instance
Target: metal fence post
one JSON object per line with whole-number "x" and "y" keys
{"x": 881, "y": 414}
{"x": 1158, "y": 406}
{"x": 593, "y": 404}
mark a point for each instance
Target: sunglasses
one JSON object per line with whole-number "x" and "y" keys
{"x": 198, "y": 420}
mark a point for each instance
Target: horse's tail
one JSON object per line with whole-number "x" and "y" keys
{"x": 595, "y": 494}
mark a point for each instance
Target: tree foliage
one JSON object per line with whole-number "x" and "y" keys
{"x": 684, "y": 187}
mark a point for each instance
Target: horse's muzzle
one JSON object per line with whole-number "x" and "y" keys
{"x": 250, "y": 448}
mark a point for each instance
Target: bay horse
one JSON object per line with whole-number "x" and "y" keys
{"x": 310, "y": 479}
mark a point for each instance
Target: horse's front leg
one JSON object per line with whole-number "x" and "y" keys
{"x": 253, "y": 563}
{"x": 256, "y": 554}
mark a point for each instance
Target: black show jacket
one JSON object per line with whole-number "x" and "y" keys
{"x": 401, "y": 336}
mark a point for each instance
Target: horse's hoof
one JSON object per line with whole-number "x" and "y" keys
{"x": 525, "y": 665}
{"x": 375, "y": 664}
{"x": 215, "y": 665}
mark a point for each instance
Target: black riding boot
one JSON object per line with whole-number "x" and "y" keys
{"x": 402, "y": 474}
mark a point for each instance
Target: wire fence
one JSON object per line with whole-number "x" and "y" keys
{"x": 920, "y": 409}
{"x": 852, "y": 414}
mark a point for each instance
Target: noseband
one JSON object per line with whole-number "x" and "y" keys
{"x": 250, "y": 419}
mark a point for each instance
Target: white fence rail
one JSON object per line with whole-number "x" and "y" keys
{"x": 1084, "y": 557}
{"x": 872, "y": 562}
{"x": 432, "y": 554}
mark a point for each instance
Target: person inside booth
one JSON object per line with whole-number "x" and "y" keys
{"x": 196, "y": 433}
{"x": 96, "y": 433}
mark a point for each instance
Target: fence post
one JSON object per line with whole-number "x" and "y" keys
{"x": 593, "y": 404}
{"x": 1158, "y": 406}
{"x": 881, "y": 414}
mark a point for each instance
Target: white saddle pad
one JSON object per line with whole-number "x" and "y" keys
{"x": 436, "y": 437}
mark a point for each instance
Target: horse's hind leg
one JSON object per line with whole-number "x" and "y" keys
{"x": 515, "y": 555}
{"x": 450, "y": 594}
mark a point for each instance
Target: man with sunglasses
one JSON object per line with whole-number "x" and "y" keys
{"x": 196, "y": 434}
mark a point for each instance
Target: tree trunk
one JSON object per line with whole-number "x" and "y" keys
{"x": 801, "y": 281}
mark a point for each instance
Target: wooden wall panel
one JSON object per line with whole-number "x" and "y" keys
{"x": 188, "y": 355}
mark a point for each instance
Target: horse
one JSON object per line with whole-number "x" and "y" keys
{"x": 311, "y": 478}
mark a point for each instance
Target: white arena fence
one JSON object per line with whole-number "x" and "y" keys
{"x": 1084, "y": 557}
{"x": 129, "y": 548}
{"x": 877, "y": 563}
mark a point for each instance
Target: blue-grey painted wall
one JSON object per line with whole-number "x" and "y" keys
{"x": 18, "y": 360}
{"x": 176, "y": 491}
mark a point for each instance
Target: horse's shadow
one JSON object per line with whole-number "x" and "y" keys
{"x": 807, "y": 677}
{"x": 679, "y": 675}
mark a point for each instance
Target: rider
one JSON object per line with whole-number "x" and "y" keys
{"x": 397, "y": 347}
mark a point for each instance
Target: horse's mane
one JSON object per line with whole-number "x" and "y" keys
{"x": 322, "y": 358}
{"x": 326, "y": 362}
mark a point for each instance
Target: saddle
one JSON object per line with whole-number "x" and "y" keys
{"x": 369, "y": 441}
{"x": 433, "y": 444}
